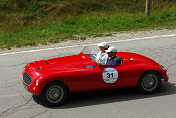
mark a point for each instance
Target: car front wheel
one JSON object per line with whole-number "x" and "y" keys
{"x": 149, "y": 82}
{"x": 54, "y": 94}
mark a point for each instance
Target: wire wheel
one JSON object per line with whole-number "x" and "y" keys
{"x": 55, "y": 94}
{"x": 150, "y": 82}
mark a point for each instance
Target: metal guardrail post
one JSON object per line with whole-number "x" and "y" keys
{"x": 147, "y": 7}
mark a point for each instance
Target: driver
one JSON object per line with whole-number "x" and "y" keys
{"x": 102, "y": 55}
{"x": 113, "y": 59}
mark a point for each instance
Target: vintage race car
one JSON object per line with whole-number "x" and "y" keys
{"x": 54, "y": 79}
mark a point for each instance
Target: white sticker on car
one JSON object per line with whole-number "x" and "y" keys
{"x": 110, "y": 75}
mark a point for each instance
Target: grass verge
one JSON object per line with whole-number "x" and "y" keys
{"x": 82, "y": 26}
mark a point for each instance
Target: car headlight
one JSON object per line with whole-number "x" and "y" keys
{"x": 36, "y": 82}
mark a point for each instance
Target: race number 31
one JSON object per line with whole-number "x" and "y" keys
{"x": 110, "y": 75}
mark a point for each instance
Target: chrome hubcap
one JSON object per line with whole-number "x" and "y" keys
{"x": 150, "y": 82}
{"x": 55, "y": 94}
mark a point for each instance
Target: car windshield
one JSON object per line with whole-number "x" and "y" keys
{"x": 91, "y": 51}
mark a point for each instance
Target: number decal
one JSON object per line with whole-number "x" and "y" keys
{"x": 110, "y": 75}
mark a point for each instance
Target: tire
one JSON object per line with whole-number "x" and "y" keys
{"x": 149, "y": 82}
{"x": 54, "y": 94}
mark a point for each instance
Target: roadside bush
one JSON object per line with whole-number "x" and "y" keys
{"x": 17, "y": 5}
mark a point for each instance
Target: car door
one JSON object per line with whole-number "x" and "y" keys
{"x": 110, "y": 76}
{"x": 85, "y": 77}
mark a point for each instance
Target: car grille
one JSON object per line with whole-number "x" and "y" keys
{"x": 27, "y": 79}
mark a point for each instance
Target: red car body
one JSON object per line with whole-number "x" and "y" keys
{"x": 82, "y": 73}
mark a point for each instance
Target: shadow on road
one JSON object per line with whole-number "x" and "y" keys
{"x": 82, "y": 99}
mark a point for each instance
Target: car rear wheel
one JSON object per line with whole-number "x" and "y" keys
{"x": 149, "y": 82}
{"x": 54, "y": 94}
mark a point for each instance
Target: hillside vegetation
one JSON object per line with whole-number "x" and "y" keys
{"x": 33, "y": 22}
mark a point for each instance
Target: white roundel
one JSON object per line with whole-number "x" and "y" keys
{"x": 110, "y": 75}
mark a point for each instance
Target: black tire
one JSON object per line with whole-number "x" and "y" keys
{"x": 149, "y": 82}
{"x": 54, "y": 94}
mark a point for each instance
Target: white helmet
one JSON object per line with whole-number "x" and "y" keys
{"x": 103, "y": 44}
{"x": 111, "y": 49}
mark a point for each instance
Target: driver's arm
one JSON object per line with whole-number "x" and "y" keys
{"x": 119, "y": 61}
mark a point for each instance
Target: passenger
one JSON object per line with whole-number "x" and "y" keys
{"x": 112, "y": 59}
{"x": 102, "y": 55}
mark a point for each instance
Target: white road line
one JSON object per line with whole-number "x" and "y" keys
{"x": 46, "y": 49}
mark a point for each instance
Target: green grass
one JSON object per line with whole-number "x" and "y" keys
{"x": 20, "y": 14}
{"x": 34, "y": 22}
{"x": 82, "y": 26}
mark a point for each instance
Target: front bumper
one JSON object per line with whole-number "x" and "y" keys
{"x": 34, "y": 89}
{"x": 29, "y": 83}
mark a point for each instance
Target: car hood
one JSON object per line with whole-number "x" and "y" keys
{"x": 63, "y": 62}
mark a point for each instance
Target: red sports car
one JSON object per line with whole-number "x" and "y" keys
{"x": 54, "y": 79}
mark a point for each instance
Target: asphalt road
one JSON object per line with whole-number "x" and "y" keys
{"x": 16, "y": 102}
